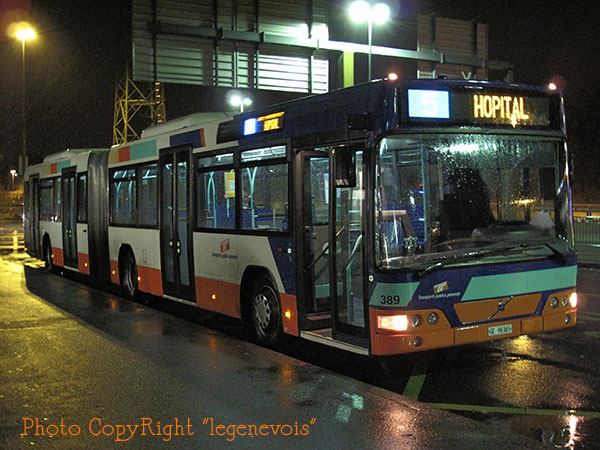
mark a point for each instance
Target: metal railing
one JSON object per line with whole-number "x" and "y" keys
{"x": 587, "y": 230}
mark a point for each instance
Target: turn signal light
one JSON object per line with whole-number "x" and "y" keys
{"x": 392, "y": 323}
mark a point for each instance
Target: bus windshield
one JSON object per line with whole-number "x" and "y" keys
{"x": 453, "y": 194}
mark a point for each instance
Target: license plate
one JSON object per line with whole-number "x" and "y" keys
{"x": 500, "y": 330}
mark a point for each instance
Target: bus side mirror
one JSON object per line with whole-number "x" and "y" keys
{"x": 344, "y": 161}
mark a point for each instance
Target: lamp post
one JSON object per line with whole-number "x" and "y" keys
{"x": 237, "y": 100}
{"x": 24, "y": 34}
{"x": 379, "y": 14}
{"x": 13, "y": 172}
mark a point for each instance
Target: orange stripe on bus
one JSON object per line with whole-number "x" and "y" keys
{"x": 58, "y": 258}
{"x": 124, "y": 154}
{"x": 150, "y": 280}
{"x": 114, "y": 271}
{"x": 83, "y": 263}
{"x": 202, "y": 137}
{"x": 289, "y": 306}
{"x": 54, "y": 168}
{"x": 219, "y": 296}
{"x": 480, "y": 310}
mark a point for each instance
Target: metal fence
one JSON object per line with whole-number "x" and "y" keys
{"x": 587, "y": 230}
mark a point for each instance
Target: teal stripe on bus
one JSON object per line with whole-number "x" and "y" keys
{"x": 62, "y": 165}
{"x": 492, "y": 286}
{"x": 384, "y": 292}
{"x": 142, "y": 150}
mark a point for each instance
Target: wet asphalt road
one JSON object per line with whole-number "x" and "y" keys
{"x": 91, "y": 368}
{"x": 544, "y": 387}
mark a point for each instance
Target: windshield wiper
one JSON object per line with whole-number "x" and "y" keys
{"x": 560, "y": 256}
{"x": 464, "y": 257}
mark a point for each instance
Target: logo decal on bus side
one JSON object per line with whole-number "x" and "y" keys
{"x": 225, "y": 245}
{"x": 439, "y": 288}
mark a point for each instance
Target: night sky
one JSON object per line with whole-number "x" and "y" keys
{"x": 82, "y": 50}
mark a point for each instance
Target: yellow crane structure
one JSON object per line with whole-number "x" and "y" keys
{"x": 129, "y": 100}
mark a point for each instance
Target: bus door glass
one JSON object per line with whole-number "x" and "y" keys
{"x": 315, "y": 213}
{"x": 69, "y": 216}
{"x": 347, "y": 203}
{"x": 175, "y": 223}
{"x": 322, "y": 201}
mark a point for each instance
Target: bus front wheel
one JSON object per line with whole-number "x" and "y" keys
{"x": 266, "y": 312}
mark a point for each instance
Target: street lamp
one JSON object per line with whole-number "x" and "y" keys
{"x": 379, "y": 14}
{"x": 237, "y": 100}
{"x": 24, "y": 34}
{"x": 13, "y": 172}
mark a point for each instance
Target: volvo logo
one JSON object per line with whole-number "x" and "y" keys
{"x": 501, "y": 306}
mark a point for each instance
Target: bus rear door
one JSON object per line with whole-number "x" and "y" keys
{"x": 175, "y": 223}
{"x": 69, "y": 216}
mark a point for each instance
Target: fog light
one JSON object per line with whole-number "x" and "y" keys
{"x": 432, "y": 319}
{"x": 416, "y": 321}
{"x": 417, "y": 341}
{"x": 392, "y": 323}
{"x": 573, "y": 299}
{"x": 554, "y": 302}
{"x": 564, "y": 301}
{"x": 567, "y": 319}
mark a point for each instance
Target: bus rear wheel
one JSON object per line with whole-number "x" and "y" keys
{"x": 129, "y": 276}
{"x": 266, "y": 312}
{"x": 48, "y": 256}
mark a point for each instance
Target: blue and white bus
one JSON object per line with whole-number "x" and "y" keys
{"x": 385, "y": 218}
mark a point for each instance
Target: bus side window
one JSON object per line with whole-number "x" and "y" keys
{"x": 147, "y": 181}
{"x": 215, "y": 191}
{"x": 265, "y": 194}
{"x": 123, "y": 204}
{"x": 265, "y": 189}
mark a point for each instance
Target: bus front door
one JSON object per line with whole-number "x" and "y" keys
{"x": 69, "y": 217}
{"x": 175, "y": 224}
{"x": 346, "y": 236}
{"x": 332, "y": 249}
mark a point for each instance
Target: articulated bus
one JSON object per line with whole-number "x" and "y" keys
{"x": 385, "y": 218}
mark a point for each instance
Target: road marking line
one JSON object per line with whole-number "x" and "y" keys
{"x": 516, "y": 410}
{"x": 417, "y": 378}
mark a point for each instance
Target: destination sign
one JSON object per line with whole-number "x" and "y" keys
{"x": 478, "y": 108}
{"x": 264, "y": 123}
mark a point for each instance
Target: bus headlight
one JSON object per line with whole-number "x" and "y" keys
{"x": 564, "y": 301}
{"x": 554, "y": 302}
{"x": 573, "y": 300}
{"x": 392, "y": 323}
{"x": 415, "y": 321}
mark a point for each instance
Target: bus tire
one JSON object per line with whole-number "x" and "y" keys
{"x": 129, "y": 276}
{"x": 48, "y": 263}
{"x": 266, "y": 311}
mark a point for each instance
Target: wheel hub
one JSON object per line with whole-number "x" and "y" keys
{"x": 262, "y": 311}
